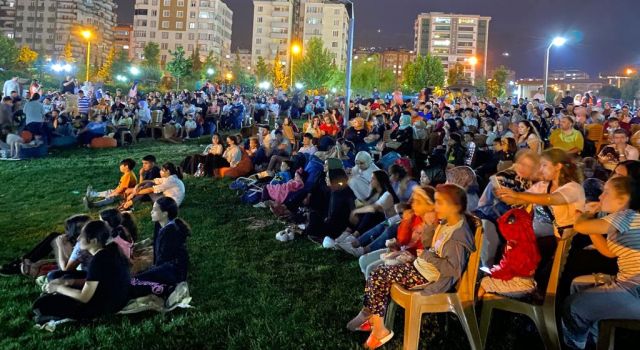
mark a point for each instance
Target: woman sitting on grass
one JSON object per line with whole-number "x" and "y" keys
{"x": 209, "y": 158}
{"x": 435, "y": 271}
{"x": 170, "y": 256}
{"x": 61, "y": 245}
{"x": 105, "y": 291}
{"x": 169, "y": 184}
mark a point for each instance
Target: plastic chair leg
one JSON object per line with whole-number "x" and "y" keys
{"x": 390, "y": 316}
{"x": 606, "y": 336}
{"x": 467, "y": 316}
{"x": 412, "y": 322}
{"x": 485, "y": 322}
{"x": 550, "y": 340}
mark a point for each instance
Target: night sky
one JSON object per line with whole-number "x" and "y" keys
{"x": 604, "y": 34}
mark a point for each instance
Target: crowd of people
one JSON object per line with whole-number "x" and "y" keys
{"x": 402, "y": 185}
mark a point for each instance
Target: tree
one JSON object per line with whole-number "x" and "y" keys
{"x": 120, "y": 63}
{"x": 280, "y": 79}
{"x": 631, "y": 89}
{"x": 367, "y": 74}
{"x": 196, "y": 64}
{"x": 611, "y": 92}
{"x": 455, "y": 74}
{"x": 8, "y": 52}
{"x": 263, "y": 72}
{"x": 151, "y": 52}
{"x": 316, "y": 67}
{"x": 425, "y": 71}
{"x": 26, "y": 57}
{"x": 210, "y": 62}
{"x": 67, "y": 53}
{"x": 179, "y": 66}
{"x": 105, "y": 71}
{"x": 499, "y": 82}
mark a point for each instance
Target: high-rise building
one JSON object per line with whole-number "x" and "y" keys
{"x": 123, "y": 39}
{"x": 279, "y": 24}
{"x": 396, "y": 60}
{"x": 46, "y": 26}
{"x": 454, "y": 38}
{"x": 205, "y": 24}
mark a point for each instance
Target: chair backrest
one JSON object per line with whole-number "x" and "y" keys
{"x": 466, "y": 288}
{"x": 386, "y": 136}
{"x": 156, "y": 118}
{"x": 559, "y": 261}
{"x": 595, "y": 132}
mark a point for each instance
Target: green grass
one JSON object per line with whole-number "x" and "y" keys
{"x": 249, "y": 291}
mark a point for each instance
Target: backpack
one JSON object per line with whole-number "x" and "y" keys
{"x": 251, "y": 197}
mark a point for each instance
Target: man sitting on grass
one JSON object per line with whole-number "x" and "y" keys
{"x": 128, "y": 180}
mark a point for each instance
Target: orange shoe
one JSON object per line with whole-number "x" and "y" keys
{"x": 374, "y": 343}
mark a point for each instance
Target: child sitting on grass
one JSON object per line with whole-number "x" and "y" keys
{"x": 128, "y": 180}
{"x": 169, "y": 184}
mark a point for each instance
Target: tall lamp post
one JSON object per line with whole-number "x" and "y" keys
{"x": 352, "y": 21}
{"x": 557, "y": 41}
{"x": 295, "y": 50}
{"x": 87, "y": 35}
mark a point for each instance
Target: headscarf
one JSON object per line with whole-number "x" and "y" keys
{"x": 405, "y": 121}
{"x": 365, "y": 157}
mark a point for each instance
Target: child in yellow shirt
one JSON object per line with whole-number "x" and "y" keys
{"x": 127, "y": 180}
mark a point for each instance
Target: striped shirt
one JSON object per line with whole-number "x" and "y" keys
{"x": 83, "y": 105}
{"x": 625, "y": 244}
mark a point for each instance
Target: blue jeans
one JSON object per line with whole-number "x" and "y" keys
{"x": 376, "y": 237}
{"x": 589, "y": 304}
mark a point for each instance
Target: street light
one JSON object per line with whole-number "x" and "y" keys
{"x": 557, "y": 41}
{"x": 87, "y": 35}
{"x": 265, "y": 85}
{"x": 299, "y": 86}
{"x": 121, "y": 78}
{"x": 472, "y": 60}
{"x": 295, "y": 49}
{"x": 134, "y": 70}
{"x": 352, "y": 21}
{"x": 229, "y": 77}
{"x": 629, "y": 71}
{"x": 210, "y": 71}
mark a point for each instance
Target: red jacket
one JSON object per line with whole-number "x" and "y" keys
{"x": 521, "y": 255}
{"x": 409, "y": 234}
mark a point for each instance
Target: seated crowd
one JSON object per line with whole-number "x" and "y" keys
{"x": 403, "y": 189}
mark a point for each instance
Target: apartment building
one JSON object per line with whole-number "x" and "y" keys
{"x": 396, "y": 60}
{"x": 46, "y": 26}
{"x": 279, "y": 24}
{"x": 123, "y": 39}
{"x": 205, "y": 24}
{"x": 454, "y": 38}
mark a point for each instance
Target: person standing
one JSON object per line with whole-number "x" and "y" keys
{"x": 11, "y": 85}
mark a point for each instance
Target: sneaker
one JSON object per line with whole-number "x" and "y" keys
{"x": 328, "y": 243}
{"x": 302, "y": 227}
{"x": 347, "y": 247}
{"x": 262, "y": 205}
{"x": 281, "y": 236}
{"x": 290, "y": 235}
{"x": 181, "y": 292}
{"x": 10, "y": 269}
{"x": 343, "y": 237}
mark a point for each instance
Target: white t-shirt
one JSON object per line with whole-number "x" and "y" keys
{"x": 170, "y": 186}
{"x": 386, "y": 202}
{"x": 572, "y": 192}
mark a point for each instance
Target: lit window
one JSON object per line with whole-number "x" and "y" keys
{"x": 441, "y": 42}
{"x": 441, "y": 20}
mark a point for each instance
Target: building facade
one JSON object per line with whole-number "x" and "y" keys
{"x": 123, "y": 39}
{"x": 396, "y": 60}
{"x": 205, "y": 24}
{"x": 279, "y": 24}
{"x": 454, "y": 38}
{"x": 46, "y": 26}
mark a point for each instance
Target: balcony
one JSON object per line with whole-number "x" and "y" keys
{"x": 280, "y": 35}
{"x": 280, "y": 14}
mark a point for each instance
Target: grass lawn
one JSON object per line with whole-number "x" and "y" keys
{"x": 249, "y": 290}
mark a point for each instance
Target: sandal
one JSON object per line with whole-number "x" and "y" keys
{"x": 374, "y": 343}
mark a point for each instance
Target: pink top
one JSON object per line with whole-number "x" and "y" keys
{"x": 125, "y": 247}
